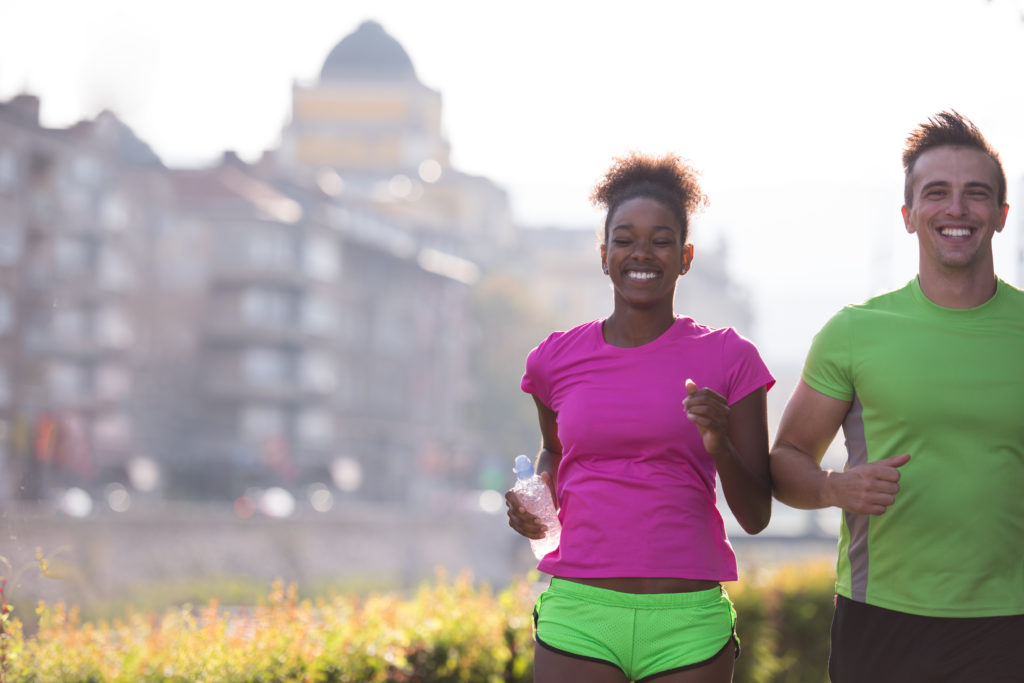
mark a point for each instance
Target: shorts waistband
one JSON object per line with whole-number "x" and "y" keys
{"x": 604, "y": 596}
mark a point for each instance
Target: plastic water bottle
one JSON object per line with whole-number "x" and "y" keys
{"x": 535, "y": 496}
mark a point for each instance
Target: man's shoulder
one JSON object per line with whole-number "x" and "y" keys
{"x": 887, "y": 302}
{"x": 1013, "y": 295}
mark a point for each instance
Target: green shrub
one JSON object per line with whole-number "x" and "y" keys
{"x": 783, "y": 622}
{"x": 448, "y": 631}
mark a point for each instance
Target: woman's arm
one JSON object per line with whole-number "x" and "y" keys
{"x": 546, "y": 466}
{"x": 737, "y": 438}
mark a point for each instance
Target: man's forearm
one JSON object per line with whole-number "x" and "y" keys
{"x": 798, "y": 480}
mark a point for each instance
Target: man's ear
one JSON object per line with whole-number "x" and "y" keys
{"x": 1002, "y": 223}
{"x": 905, "y": 210}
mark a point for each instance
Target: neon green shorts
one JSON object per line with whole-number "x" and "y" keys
{"x": 643, "y": 635}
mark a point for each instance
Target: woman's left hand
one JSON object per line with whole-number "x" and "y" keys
{"x": 710, "y": 412}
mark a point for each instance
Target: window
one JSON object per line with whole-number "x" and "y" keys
{"x": 76, "y": 201}
{"x": 320, "y": 258}
{"x": 389, "y": 329}
{"x": 182, "y": 252}
{"x": 318, "y": 372}
{"x": 10, "y": 240}
{"x": 113, "y": 328}
{"x": 67, "y": 381}
{"x": 350, "y": 387}
{"x": 8, "y": 169}
{"x": 112, "y": 432}
{"x": 70, "y": 324}
{"x": 315, "y": 428}
{"x": 114, "y": 212}
{"x": 266, "y": 307}
{"x": 270, "y": 247}
{"x": 113, "y": 382}
{"x": 6, "y": 314}
{"x": 36, "y": 334}
{"x": 265, "y": 367}
{"x": 353, "y": 326}
{"x": 87, "y": 170}
{"x": 114, "y": 271}
{"x": 318, "y": 315}
{"x": 42, "y": 204}
{"x": 259, "y": 423}
{"x": 70, "y": 255}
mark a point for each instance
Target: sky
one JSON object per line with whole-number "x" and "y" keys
{"x": 794, "y": 111}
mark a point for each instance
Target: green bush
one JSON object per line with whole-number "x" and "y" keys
{"x": 448, "y": 631}
{"x": 783, "y": 624}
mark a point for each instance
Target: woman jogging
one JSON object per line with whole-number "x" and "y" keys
{"x": 638, "y": 414}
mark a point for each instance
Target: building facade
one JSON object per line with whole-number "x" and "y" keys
{"x": 315, "y": 319}
{"x": 369, "y": 127}
{"x": 76, "y": 209}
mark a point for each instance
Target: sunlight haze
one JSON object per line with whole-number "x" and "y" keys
{"x": 795, "y": 111}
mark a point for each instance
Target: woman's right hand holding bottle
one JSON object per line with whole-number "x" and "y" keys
{"x": 520, "y": 519}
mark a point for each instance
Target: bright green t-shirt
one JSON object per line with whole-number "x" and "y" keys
{"x": 947, "y": 387}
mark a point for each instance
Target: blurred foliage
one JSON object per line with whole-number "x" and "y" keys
{"x": 784, "y": 618}
{"x": 508, "y": 323}
{"x": 449, "y": 630}
{"x": 158, "y": 596}
{"x": 155, "y": 596}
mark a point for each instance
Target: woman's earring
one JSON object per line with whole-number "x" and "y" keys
{"x": 606, "y": 270}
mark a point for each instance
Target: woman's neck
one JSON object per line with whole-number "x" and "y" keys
{"x": 630, "y": 328}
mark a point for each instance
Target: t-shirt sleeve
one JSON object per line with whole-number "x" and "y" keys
{"x": 535, "y": 378}
{"x": 828, "y": 369}
{"x": 746, "y": 370}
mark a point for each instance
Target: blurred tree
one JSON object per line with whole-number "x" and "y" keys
{"x": 509, "y": 322}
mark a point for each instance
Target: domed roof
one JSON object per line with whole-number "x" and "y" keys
{"x": 369, "y": 53}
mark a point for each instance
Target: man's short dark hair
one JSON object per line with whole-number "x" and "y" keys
{"x": 947, "y": 129}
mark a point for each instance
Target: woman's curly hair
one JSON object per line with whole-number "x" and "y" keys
{"x": 668, "y": 179}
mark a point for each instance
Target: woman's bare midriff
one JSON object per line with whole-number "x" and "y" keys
{"x": 647, "y": 586}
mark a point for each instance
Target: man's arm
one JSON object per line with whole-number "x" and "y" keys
{"x": 809, "y": 424}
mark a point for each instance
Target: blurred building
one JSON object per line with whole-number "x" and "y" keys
{"x": 322, "y": 336}
{"x": 310, "y": 318}
{"x": 369, "y": 128}
{"x": 77, "y": 207}
{"x": 250, "y": 288}
{"x": 562, "y": 267}
{"x": 238, "y": 325}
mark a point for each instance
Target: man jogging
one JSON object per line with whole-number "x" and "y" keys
{"x": 928, "y": 384}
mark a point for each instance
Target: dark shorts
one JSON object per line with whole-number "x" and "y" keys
{"x": 877, "y": 645}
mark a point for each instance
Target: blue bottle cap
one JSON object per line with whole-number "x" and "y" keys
{"x": 523, "y": 467}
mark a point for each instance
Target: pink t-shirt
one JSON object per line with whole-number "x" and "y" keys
{"x": 636, "y": 488}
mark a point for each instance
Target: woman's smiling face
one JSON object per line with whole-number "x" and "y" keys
{"x": 644, "y": 252}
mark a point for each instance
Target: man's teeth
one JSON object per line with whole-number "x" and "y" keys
{"x": 634, "y": 275}
{"x": 956, "y": 232}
